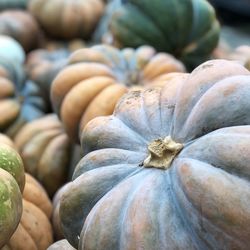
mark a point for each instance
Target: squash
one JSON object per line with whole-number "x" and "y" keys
{"x": 61, "y": 245}
{"x": 11, "y": 187}
{"x": 34, "y": 231}
{"x": 13, "y": 4}
{"x": 241, "y": 54}
{"x": 188, "y": 29}
{"x": 22, "y": 26}
{"x": 67, "y": 19}
{"x": 46, "y": 151}
{"x": 18, "y": 107}
{"x": 169, "y": 169}
{"x": 12, "y": 57}
{"x": 42, "y": 66}
{"x": 97, "y": 77}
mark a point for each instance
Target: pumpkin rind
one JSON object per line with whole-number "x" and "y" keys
{"x": 200, "y": 202}
{"x": 103, "y": 74}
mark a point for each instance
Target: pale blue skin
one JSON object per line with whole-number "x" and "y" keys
{"x": 200, "y": 202}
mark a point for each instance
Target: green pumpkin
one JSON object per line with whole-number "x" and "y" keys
{"x": 11, "y": 185}
{"x": 188, "y": 29}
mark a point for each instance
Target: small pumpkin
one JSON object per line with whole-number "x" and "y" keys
{"x": 22, "y": 26}
{"x": 97, "y": 77}
{"x": 188, "y": 29}
{"x": 46, "y": 151}
{"x": 67, "y": 19}
{"x": 12, "y": 57}
{"x": 169, "y": 169}
{"x": 34, "y": 231}
{"x": 18, "y": 107}
{"x": 11, "y": 187}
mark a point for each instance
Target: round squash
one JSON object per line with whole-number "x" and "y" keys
{"x": 18, "y": 107}
{"x": 67, "y": 19}
{"x": 99, "y": 76}
{"x": 11, "y": 186}
{"x": 188, "y": 29}
{"x": 34, "y": 231}
{"x": 169, "y": 169}
{"x": 22, "y": 26}
{"x": 12, "y": 57}
{"x": 46, "y": 151}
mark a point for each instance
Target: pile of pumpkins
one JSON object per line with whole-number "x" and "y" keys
{"x": 124, "y": 125}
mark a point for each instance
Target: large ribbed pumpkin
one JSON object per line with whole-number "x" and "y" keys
{"x": 11, "y": 186}
{"x": 46, "y": 151}
{"x": 99, "y": 76}
{"x": 22, "y": 26}
{"x": 34, "y": 231}
{"x": 18, "y": 107}
{"x": 169, "y": 169}
{"x": 67, "y": 19}
{"x": 187, "y": 29}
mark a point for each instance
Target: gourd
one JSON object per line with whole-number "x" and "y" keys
{"x": 188, "y": 29}
{"x": 97, "y": 77}
{"x": 169, "y": 169}
{"x": 67, "y": 19}
{"x": 11, "y": 187}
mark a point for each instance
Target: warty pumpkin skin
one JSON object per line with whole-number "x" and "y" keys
{"x": 169, "y": 169}
{"x": 19, "y": 106}
{"x": 34, "y": 231}
{"x": 99, "y": 76}
{"x": 187, "y": 29}
{"x": 22, "y": 26}
{"x": 46, "y": 151}
{"x": 67, "y": 19}
{"x": 11, "y": 187}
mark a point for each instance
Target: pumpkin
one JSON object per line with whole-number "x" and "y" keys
{"x": 42, "y": 66}
{"x": 18, "y": 107}
{"x": 61, "y": 245}
{"x": 67, "y": 19}
{"x": 169, "y": 169}
{"x": 22, "y": 26}
{"x": 12, "y": 57}
{"x": 11, "y": 186}
{"x": 46, "y": 151}
{"x": 97, "y": 77}
{"x": 34, "y": 231}
{"x": 13, "y": 4}
{"x": 188, "y": 29}
{"x": 241, "y": 54}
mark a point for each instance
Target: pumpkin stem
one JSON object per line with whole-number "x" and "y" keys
{"x": 161, "y": 153}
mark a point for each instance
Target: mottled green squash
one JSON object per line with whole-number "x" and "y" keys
{"x": 13, "y": 4}
{"x": 187, "y": 29}
{"x": 169, "y": 169}
{"x": 11, "y": 185}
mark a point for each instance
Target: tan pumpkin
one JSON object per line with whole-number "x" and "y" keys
{"x": 21, "y": 26}
{"x": 99, "y": 76}
{"x": 67, "y": 19}
{"x": 34, "y": 231}
{"x": 169, "y": 169}
{"x": 46, "y": 151}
